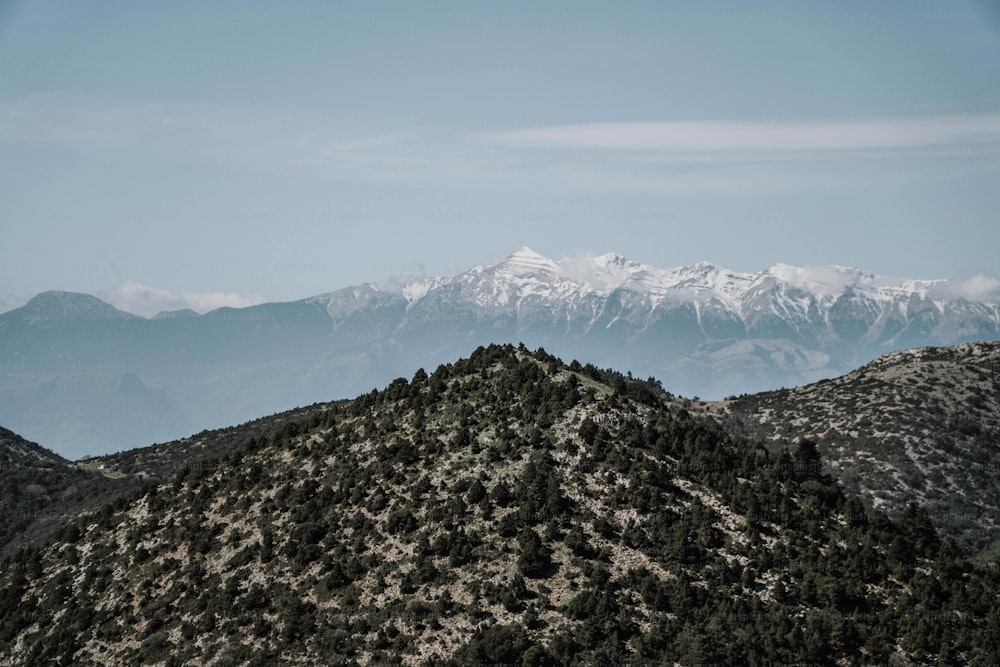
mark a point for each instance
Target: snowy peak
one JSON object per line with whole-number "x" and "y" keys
{"x": 833, "y": 281}
{"x": 821, "y": 281}
{"x": 704, "y": 269}
{"x": 613, "y": 260}
{"x": 703, "y": 274}
{"x": 604, "y": 273}
{"x": 529, "y": 273}
{"x": 526, "y": 260}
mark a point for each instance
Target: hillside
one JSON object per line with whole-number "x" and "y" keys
{"x": 163, "y": 461}
{"x": 38, "y": 487}
{"x": 922, "y": 425}
{"x": 44, "y": 492}
{"x": 506, "y": 508}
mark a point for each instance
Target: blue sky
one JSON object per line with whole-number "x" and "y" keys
{"x": 210, "y": 153}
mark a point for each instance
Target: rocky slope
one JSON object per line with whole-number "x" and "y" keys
{"x": 43, "y": 492}
{"x": 506, "y": 508}
{"x": 917, "y": 425}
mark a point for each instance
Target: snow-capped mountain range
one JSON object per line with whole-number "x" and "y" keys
{"x": 788, "y": 291}
{"x": 530, "y": 273}
{"x": 77, "y": 374}
{"x": 832, "y": 311}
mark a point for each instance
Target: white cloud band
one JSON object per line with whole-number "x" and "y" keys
{"x": 701, "y": 158}
{"x": 760, "y": 136}
{"x": 133, "y": 297}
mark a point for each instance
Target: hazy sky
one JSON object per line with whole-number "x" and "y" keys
{"x": 204, "y": 153}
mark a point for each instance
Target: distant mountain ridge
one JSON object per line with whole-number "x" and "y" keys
{"x": 828, "y": 303}
{"x": 702, "y": 330}
{"x": 605, "y": 273}
{"x": 57, "y": 305}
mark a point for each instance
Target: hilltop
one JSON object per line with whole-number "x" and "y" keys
{"x": 505, "y": 508}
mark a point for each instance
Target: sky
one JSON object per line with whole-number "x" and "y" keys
{"x": 200, "y": 154}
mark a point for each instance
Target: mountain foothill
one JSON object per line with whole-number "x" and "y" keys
{"x": 512, "y": 508}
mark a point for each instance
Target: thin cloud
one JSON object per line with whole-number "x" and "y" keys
{"x": 716, "y": 158}
{"x": 980, "y": 288}
{"x": 265, "y": 138}
{"x": 761, "y": 137}
{"x": 829, "y": 281}
{"x": 134, "y": 297}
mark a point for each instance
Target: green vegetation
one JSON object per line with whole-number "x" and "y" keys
{"x": 43, "y": 492}
{"x": 38, "y": 488}
{"x": 504, "y": 509}
{"x": 914, "y": 426}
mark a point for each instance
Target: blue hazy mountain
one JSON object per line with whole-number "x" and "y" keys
{"x": 86, "y": 378}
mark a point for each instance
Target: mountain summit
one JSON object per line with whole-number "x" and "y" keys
{"x": 56, "y": 305}
{"x": 703, "y": 330}
{"x": 527, "y": 260}
{"x": 795, "y": 294}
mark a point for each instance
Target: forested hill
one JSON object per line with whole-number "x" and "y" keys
{"x": 32, "y": 481}
{"x": 43, "y": 492}
{"x": 506, "y": 508}
{"x": 920, "y": 425}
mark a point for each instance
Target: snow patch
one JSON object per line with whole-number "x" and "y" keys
{"x": 800, "y": 296}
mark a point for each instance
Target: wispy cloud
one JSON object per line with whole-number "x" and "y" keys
{"x": 270, "y": 138}
{"x": 737, "y": 157}
{"x": 760, "y": 139}
{"x": 134, "y": 297}
{"x": 832, "y": 280}
{"x": 980, "y": 287}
